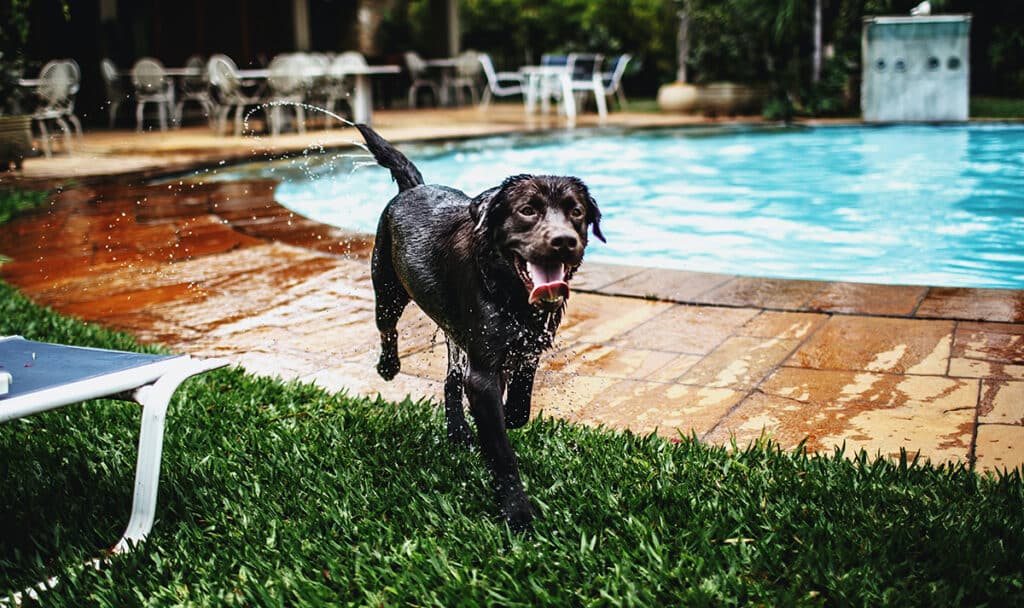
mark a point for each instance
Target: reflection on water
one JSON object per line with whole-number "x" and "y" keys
{"x": 905, "y": 204}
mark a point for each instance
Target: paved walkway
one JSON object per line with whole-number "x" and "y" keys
{"x": 223, "y": 270}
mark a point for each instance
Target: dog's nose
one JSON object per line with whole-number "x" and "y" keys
{"x": 564, "y": 241}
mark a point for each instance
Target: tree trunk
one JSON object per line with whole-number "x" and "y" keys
{"x": 816, "y": 58}
{"x": 683, "y": 42}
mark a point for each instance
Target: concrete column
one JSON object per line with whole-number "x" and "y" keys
{"x": 454, "y": 39}
{"x": 300, "y": 18}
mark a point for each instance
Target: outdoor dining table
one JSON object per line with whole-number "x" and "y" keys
{"x": 547, "y": 81}
{"x": 362, "y": 95}
{"x": 446, "y": 67}
{"x": 543, "y": 81}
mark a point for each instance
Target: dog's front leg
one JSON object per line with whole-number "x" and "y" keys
{"x": 458, "y": 430}
{"x": 520, "y": 394}
{"x": 483, "y": 387}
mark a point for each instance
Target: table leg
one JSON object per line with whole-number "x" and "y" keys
{"x": 602, "y": 104}
{"x": 568, "y": 99}
{"x": 362, "y": 100}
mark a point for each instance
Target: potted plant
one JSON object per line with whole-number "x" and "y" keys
{"x": 680, "y": 96}
{"x": 15, "y": 124}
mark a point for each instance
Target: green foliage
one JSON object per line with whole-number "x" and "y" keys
{"x": 15, "y": 24}
{"x": 278, "y": 493}
{"x": 14, "y": 201}
{"x": 517, "y": 32}
{"x": 996, "y": 107}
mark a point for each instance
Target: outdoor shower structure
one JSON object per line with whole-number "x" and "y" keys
{"x": 916, "y": 69}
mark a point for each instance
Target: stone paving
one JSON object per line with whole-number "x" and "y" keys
{"x": 223, "y": 270}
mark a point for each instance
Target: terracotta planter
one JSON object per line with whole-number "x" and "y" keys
{"x": 729, "y": 99}
{"x": 15, "y": 140}
{"x": 677, "y": 97}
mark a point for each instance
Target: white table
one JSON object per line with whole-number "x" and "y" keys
{"x": 362, "y": 95}
{"x": 546, "y": 81}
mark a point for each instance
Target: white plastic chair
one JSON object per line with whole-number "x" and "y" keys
{"x": 467, "y": 76}
{"x": 418, "y": 75}
{"x": 58, "y": 82}
{"x": 289, "y": 80}
{"x": 44, "y": 376}
{"x": 612, "y": 81}
{"x": 585, "y": 69}
{"x": 152, "y": 86}
{"x": 499, "y": 84}
{"x": 341, "y": 87}
{"x": 195, "y": 88}
{"x": 113, "y": 88}
{"x": 230, "y": 94}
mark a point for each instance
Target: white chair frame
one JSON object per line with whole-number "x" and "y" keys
{"x": 151, "y": 385}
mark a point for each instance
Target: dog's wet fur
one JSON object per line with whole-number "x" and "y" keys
{"x": 493, "y": 272}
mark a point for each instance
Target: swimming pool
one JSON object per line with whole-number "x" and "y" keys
{"x": 934, "y": 205}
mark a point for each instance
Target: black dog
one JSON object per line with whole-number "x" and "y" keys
{"x": 493, "y": 272}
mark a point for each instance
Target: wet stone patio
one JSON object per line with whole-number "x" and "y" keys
{"x": 223, "y": 270}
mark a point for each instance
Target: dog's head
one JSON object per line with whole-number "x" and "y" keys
{"x": 538, "y": 226}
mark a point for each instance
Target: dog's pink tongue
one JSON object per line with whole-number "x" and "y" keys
{"x": 548, "y": 283}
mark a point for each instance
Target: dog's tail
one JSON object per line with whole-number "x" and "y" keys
{"x": 387, "y": 156}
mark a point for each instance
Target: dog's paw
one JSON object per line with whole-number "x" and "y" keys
{"x": 518, "y": 514}
{"x": 388, "y": 367}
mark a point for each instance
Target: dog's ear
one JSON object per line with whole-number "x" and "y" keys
{"x": 594, "y": 217}
{"x": 593, "y": 212}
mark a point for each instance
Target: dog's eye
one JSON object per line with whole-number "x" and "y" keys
{"x": 527, "y": 210}
{"x": 576, "y": 213}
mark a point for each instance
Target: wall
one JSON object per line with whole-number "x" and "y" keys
{"x": 916, "y": 69}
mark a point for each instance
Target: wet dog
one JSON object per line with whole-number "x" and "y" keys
{"x": 493, "y": 272}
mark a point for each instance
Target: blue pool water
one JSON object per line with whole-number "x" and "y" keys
{"x": 934, "y": 205}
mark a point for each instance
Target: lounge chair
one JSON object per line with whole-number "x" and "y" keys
{"x": 40, "y": 376}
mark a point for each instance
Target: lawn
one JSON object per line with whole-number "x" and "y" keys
{"x": 277, "y": 493}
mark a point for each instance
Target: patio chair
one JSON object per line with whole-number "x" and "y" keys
{"x": 342, "y": 87}
{"x": 585, "y": 69}
{"x": 289, "y": 80}
{"x": 552, "y": 59}
{"x": 195, "y": 88}
{"x": 58, "y": 82}
{"x": 42, "y": 376}
{"x": 113, "y": 89}
{"x": 230, "y": 94}
{"x": 467, "y": 76}
{"x": 75, "y": 72}
{"x": 612, "y": 80}
{"x": 152, "y": 86}
{"x": 418, "y": 75}
{"x": 499, "y": 84}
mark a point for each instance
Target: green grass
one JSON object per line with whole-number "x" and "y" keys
{"x": 278, "y": 493}
{"x": 996, "y": 107}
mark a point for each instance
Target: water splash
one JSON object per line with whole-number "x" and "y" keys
{"x": 267, "y": 106}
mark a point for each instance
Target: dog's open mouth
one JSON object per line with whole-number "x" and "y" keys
{"x": 545, "y": 282}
